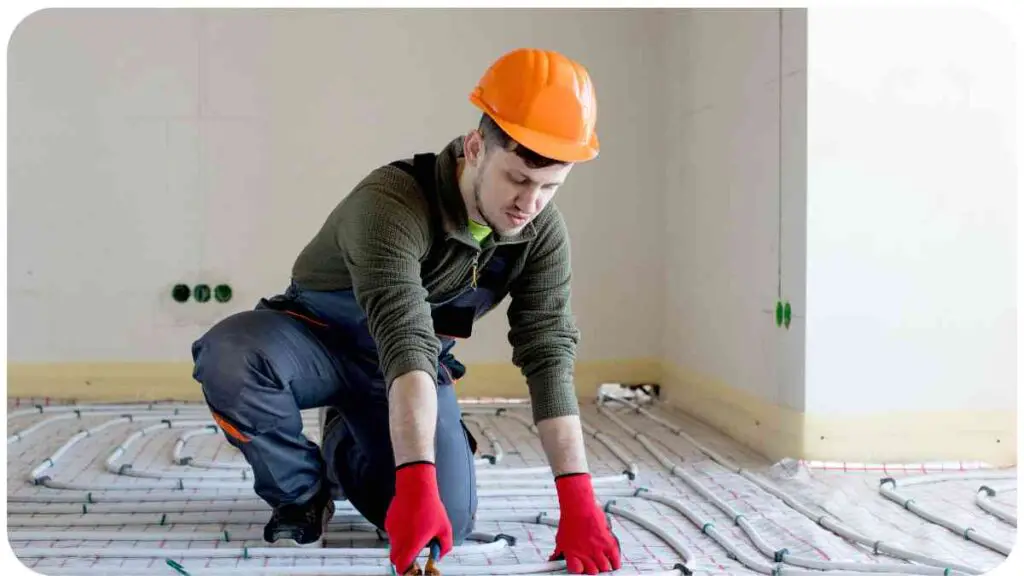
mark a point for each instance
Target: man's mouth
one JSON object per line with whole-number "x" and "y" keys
{"x": 518, "y": 219}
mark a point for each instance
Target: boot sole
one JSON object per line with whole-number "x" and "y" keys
{"x": 318, "y": 543}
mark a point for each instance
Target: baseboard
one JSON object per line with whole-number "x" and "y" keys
{"x": 913, "y": 437}
{"x": 780, "y": 432}
{"x": 773, "y": 431}
{"x": 150, "y": 381}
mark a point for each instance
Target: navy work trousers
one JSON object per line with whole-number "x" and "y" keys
{"x": 306, "y": 349}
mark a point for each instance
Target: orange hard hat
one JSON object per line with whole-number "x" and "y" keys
{"x": 544, "y": 101}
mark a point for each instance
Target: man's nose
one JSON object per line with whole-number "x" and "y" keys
{"x": 528, "y": 200}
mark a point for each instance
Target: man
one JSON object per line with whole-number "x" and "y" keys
{"x": 400, "y": 270}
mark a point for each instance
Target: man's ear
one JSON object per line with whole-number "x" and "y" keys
{"x": 473, "y": 147}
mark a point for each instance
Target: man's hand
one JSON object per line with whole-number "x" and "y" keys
{"x": 416, "y": 516}
{"x": 584, "y": 538}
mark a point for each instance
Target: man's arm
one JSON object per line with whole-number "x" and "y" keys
{"x": 544, "y": 337}
{"x": 562, "y": 438}
{"x": 412, "y": 407}
{"x": 384, "y": 235}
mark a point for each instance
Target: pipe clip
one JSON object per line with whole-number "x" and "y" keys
{"x": 780, "y": 555}
{"x": 682, "y": 568}
{"x": 888, "y": 480}
{"x": 990, "y": 492}
{"x": 124, "y": 469}
{"x": 639, "y": 490}
{"x": 510, "y": 539}
{"x": 608, "y": 505}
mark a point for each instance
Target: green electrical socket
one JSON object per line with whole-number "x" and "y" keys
{"x": 201, "y": 293}
{"x": 180, "y": 293}
{"x": 222, "y": 293}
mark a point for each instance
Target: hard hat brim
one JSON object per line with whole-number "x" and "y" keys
{"x": 545, "y": 144}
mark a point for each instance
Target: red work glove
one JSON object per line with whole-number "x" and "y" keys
{"x": 584, "y": 538}
{"x": 416, "y": 516}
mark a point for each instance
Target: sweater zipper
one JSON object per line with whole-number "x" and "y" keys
{"x": 472, "y": 283}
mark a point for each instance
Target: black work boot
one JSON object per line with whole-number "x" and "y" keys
{"x": 301, "y": 525}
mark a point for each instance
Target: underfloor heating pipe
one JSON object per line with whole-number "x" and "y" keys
{"x": 275, "y": 552}
{"x": 178, "y": 481}
{"x": 101, "y": 408}
{"x": 777, "y": 553}
{"x": 198, "y": 519}
{"x": 632, "y": 471}
{"x": 371, "y": 570}
{"x": 610, "y": 508}
{"x": 255, "y": 505}
{"x": 244, "y": 475}
{"x": 887, "y": 488}
{"x": 497, "y": 453}
{"x": 178, "y": 457}
{"x": 757, "y": 564}
{"x": 822, "y": 520}
{"x": 984, "y": 501}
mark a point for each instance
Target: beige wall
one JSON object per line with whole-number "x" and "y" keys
{"x": 188, "y": 146}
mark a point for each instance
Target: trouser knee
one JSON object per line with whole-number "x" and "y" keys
{"x": 230, "y": 369}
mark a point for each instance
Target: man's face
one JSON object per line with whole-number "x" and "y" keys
{"x": 509, "y": 194}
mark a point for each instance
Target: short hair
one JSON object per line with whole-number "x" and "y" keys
{"x": 495, "y": 136}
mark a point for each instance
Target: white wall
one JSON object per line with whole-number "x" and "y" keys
{"x": 150, "y": 147}
{"x": 735, "y": 199}
{"x": 911, "y": 212}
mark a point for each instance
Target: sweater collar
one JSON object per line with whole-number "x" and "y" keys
{"x": 454, "y": 214}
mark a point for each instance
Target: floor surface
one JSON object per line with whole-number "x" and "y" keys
{"x": 155, "y": 489}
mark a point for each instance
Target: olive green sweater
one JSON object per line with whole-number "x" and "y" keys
{"x": 378, "y": 241}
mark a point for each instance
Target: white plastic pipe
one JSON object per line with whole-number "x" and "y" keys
{"x": 174, "y": 407}
{"x": 204, "y": 536}
{"x": 887, "y": 488}
{"x": 824, "y": 521}
{"x": 984, "y": 501}
{"x": 632, "y": 472}
{"x": 497, "y": 453}
{"x": 489, "y": 511}
{"x": 275, "y": 552}
{"x": 18, "y": 436}
{"x": 326, "y": 570}
{"x": 778, "y": 553}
